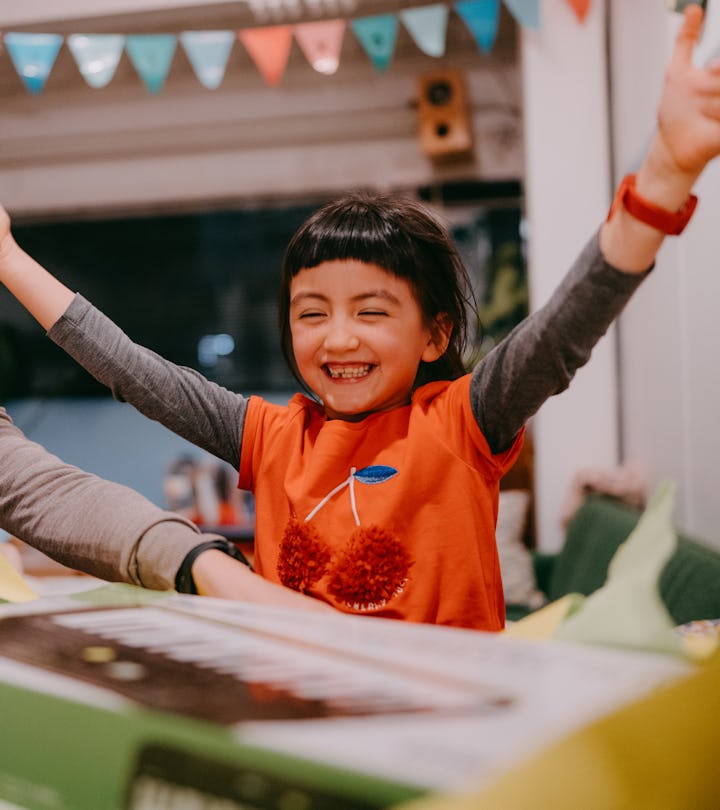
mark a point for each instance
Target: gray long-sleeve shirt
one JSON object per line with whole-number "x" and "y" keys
{"x": 538, "y": 359}
{"x": 85, "y": 522}
{"x": 114, "y": 533}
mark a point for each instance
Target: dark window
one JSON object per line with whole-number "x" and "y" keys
{"x": 199, "y": 289}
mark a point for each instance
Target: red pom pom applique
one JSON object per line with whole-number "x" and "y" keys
{"x": 304, "y": 558}
{"x": 372, "y": 570}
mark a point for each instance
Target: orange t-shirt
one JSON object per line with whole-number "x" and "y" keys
{"x": 392, "y": 516}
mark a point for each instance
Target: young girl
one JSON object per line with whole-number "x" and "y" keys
{"x": 378, "y": 493}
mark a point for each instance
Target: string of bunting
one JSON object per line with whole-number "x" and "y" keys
{"x": 97, "y": 55}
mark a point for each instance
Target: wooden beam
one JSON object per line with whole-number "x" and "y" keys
{"x": 32, "y": 12}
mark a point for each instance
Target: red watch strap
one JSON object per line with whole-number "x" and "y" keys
{"x": 669, "y": 222}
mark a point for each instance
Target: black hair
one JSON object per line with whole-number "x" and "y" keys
{"x": 400, "y": 235}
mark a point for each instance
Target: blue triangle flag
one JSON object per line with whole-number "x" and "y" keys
{"x": 427, "y": 26}
{"x": 377, "y": 35}
{"x": 33, "y": 56}
{"x": 481, "y": 17}
{"x": 97, "y": 56}
{"x": 208, "y": 52}
{"x": 152, "y": 55}
{"x": 526, "y": 12}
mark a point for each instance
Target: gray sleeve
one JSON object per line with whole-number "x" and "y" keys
{"x": 541, "y": 355}
{"x": 85, "y": 522}
{"x": 180, "y": 398}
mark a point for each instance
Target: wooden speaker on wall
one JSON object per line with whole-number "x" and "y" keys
{"x": 444, "y": 115}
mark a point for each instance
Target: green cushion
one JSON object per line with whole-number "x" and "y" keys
{"x": 513, "y": 613}
{"x": 544, "y": 565}
{"x": 689, "y": 584}
{"x": 593, "y": 536}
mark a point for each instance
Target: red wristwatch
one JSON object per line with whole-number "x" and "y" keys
{"x": 670, "y": 222}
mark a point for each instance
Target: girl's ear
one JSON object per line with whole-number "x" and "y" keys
{"x": 440, "y": 333}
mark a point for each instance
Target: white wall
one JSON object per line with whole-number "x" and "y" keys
{"x": 567, "y": 195}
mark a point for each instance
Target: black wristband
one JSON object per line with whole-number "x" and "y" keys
{"x": 184, "y": 582}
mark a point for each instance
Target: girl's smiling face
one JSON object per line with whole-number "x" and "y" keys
{"x": 358, "y": 337}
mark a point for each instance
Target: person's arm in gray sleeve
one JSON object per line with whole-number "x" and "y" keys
{"x": 96, "y": 526}
{"x": 180, "y": 398}
{"x": 541, "y": 355}
{"x": 114, "y": 533}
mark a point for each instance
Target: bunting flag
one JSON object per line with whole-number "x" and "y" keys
{"x": 481, "y": 17}
{"x": 208, "y": 52}
{"x": 321, "y": 42}
{"x": 377, "y": 35}
{"x": 151, "y": 55}
{"x": 33, "y": 56}
{"x": 269, "y": 49}
{"x": 427, "y": 26}
{"x": 580, "y": 7}
{"x": 526, "y": 12}
{"x": 97, "y": 56}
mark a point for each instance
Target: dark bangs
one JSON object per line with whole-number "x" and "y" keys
{"x": 400, "y": 235}
{"x": 356, "y": 227}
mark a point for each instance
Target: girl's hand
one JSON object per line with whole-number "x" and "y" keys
{"x": 689, "y": 110}
{"x": 44, "y": 296}
{"x": 217, "y": 574}
{"x": 686, "y": 139}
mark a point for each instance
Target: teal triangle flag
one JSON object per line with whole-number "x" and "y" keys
{"x": 481, "y": 17}
{"x": 33, "y": 56}
{"x": 152, "y": 55}
{"x": 377, "y": 35}
{"x": 526, "y": 12}
{"x": 97, "y": 56}
{"x": 208, "y": 52}
{"x": 427, "y": 26}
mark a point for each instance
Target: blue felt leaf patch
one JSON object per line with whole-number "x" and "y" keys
{"x": 375, "y": 474}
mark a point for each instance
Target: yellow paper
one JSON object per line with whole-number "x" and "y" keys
{"x": 542, "y": 623}
{"x": 628, "y": 610}
{"x": 13, "y": 587}
{"x": 659, "y": 753}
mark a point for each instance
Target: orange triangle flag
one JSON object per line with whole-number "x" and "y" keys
{"x": 321, "y": 42}
{"x": 580, "y": 7}
{"x": 269, "y": 49}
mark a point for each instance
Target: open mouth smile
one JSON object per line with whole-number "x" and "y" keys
{"x": 352, "y": 372}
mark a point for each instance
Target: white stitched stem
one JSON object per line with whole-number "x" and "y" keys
{"x": 352, "y": 495}
{"x": 329, "y": 495}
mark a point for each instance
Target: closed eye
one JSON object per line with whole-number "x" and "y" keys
{"x": 373, "y": 312}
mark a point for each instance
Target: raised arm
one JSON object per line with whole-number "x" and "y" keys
{"x": 85, "y": 522}
{"x": 200, "y": 411}
{"x": 180, "y": 398}
{"x": 44, "y": 296}
{"x": 542, "y": 354}
{"x": 687, "y": 138}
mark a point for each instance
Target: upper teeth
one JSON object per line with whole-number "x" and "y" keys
{"x": 348, "y": 371}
